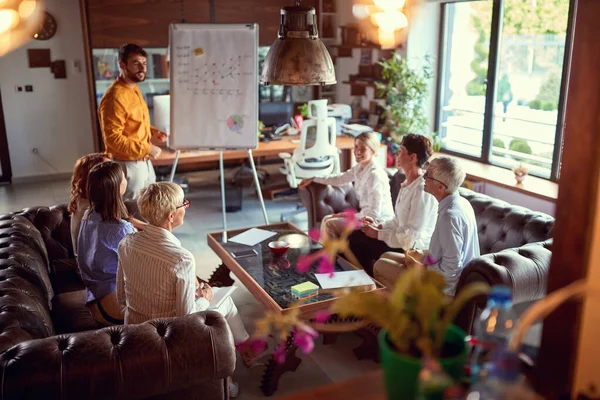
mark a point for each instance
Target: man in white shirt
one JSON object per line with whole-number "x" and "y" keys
{"x": 454, "y": 242}
{"x": 415, "y": 211}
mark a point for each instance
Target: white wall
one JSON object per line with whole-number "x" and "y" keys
{"x": 423, "y": 40}
{"x": 55, "y": 117}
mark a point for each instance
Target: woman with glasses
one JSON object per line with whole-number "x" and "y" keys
{"x": 371, "y": 184}
{"x": 415, "y": 211}
{"x": 103, "y": 226}
{"x": 156, "y": 277}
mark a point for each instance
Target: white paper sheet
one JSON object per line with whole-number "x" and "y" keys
{"x": 220, "y": 294}
{"x": 252, "y": 236}
{"x": 344, "y": 279}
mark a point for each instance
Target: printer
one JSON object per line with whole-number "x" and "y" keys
{"x": 342, "y": 114}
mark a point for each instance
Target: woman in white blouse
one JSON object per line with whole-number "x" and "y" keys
{"x": 416, "y": 211}
{"x": 371, "y": 184}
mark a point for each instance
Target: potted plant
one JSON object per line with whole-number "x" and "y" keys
{"x": 520, "y": 172}
{"x": 416, "y": 320}
{"x": 405, "y": 90}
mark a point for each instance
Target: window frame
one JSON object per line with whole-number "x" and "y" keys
{"x": 493, "y": 64}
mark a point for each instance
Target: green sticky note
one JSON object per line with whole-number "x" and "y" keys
{"x": 304, "y": 288}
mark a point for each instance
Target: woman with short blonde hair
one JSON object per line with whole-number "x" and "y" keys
{"x": 371, "y": 183}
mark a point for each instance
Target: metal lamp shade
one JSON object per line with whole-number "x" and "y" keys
{"x": 298, "y": 57}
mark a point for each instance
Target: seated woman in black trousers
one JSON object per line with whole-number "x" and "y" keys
{"x": 415, "y": 210}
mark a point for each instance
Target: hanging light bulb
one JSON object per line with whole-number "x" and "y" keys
{"x": 19, "y": 20}
{"x": 360, "y": 11}
{"x": 298, "y": 57}
{"x": 389, "y": 5}
{"x": 390, "y": 21}
{"x": 387, "y": 39}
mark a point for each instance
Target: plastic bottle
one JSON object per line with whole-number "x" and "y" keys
{"x": 492, "y": 330}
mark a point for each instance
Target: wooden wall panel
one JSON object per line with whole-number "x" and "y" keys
{"x": 146, "y": 22}
{"x": 263, "y": 12}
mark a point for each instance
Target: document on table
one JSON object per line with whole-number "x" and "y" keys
{"x": 344, "y": 279}
{"x": 220, "y": 294}
{"x": 252, "y": 236}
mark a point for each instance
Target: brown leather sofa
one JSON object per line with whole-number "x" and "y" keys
{"x": 51, "y": 348}
{"x": 514, "y": 242}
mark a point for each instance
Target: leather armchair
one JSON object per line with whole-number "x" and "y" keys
{"x": 50, "y": 347}
{"x": 514, "y": 242}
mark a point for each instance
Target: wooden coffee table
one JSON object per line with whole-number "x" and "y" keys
{"x": 270, "y": 278}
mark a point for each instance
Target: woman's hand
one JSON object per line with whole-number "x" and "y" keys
{"x": 366, "y": 221}
{"x": 305, "y": 182}
{"x": 203, "y": 290}
{"x": 370, "y": 230}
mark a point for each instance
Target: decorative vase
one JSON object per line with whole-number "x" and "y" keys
{"x": 401, "y": 372}
{"x": 520, "y": 178}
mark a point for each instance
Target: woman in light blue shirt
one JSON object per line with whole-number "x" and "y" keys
{"x": 103, "y": 226}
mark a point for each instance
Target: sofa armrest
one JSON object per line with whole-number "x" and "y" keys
{"x": 321, "y": 200}
{"x": 523, "y": 269}
{"x": 133, "y": 361}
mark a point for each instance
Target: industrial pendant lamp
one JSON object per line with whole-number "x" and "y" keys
{"x": 298, "y": 57}
{"x": 19, "y": 20}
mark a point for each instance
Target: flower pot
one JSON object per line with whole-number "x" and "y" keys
{"x": 401, "y": 372}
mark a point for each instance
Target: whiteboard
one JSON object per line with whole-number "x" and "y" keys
{"x": 214, "y": 86}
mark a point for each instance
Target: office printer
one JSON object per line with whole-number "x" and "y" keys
{"x": 342, "y": 114}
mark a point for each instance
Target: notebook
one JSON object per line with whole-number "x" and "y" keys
{"x": 220, "y": 294}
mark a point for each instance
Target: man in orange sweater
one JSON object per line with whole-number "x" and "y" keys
{"x": 125, "y": 122}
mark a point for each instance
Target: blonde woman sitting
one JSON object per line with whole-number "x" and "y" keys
{"x": 371, "y": 183}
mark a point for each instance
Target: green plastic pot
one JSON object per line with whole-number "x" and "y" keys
{"x": 401, "y": 372}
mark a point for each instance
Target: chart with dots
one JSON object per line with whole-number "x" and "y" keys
{"x": 214, "y": 85}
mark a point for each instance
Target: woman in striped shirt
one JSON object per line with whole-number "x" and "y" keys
{"x": 103, "y": 226}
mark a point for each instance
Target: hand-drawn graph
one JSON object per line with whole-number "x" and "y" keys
{"x": 205, "y": 76}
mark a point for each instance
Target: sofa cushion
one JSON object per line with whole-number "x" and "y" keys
{"x": 502, "y": 225}
{"x": 70, "y": 313}
{"x": 66, "y": 277}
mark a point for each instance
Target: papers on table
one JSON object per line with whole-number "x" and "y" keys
{"x": 220, "y": 294}
{"x": 252, "y": 236}
{"x": 344, "y": 279}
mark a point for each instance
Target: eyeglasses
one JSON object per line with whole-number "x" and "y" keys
{"x": 426, "y": 176}
{"x": 186, "y": 204}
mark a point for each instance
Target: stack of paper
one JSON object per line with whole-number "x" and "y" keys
{"x": 344, "y": 279}
{"x": 252, "y": 236}
{"x": 355, "y": 129}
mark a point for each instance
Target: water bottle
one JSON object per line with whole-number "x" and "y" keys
{"x": 492, "y": 330}
{"x": 502, "y": 381}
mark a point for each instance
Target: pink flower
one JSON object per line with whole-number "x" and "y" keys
{"x": 322, "y": 316}
{"x": 352, "y": 221}
{"x": 429, "y": 260}
{"x": 304, "y": 338}
{"x": 326, "y": 265}
{"x": 305, "y": 262}
{"x": 314, "y": 234}
{"x": 279, "y": 354}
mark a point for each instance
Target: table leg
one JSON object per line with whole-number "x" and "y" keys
{"x": 369, "y": 348}
{"x": 220, "y": 277}
{"x": 273, "y": 370}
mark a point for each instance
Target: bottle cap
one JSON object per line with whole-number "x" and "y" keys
{"x": 500, "y": 293}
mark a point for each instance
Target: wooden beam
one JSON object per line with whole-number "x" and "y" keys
{"x": 575, "y": 210}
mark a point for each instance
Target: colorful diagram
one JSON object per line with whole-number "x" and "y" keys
{"x": 235, "y": 123}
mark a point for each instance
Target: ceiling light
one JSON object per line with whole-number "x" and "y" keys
{"x": 390, "y": 20}
{"x": 298, "y": 57}
{"x": 389, "y": 5}
{"x": 19, "y": 20}
{"x": 360, "y": 11}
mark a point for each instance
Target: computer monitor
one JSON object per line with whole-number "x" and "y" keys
{"x": 274, "y": 114}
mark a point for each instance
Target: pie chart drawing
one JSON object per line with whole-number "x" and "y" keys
{"x": 235, "y": 123}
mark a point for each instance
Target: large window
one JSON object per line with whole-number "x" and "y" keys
{"x": 501, "y": 70}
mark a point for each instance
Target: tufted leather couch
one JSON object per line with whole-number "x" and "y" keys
{"x": 514, "y": 242}
{"x": 51, "y": 348}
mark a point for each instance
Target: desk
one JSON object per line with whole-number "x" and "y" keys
{"x": 273, "y": 148}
